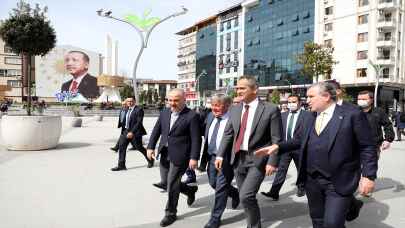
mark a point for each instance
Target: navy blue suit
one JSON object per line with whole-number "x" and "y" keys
{"x": 220, "y": 181}
{"x": 331, "y": 164}
{"x": 177, "y": 146}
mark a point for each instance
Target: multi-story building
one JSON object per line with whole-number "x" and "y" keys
{"x": 187, "y": 64}
{"x": 274, "y": 33}
{"x": 365, "y": 32}
{"x": 10, "y": 73}
{"x": 230, "y": 46}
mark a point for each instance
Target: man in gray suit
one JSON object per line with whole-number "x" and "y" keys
{"x": 252, "y": 124}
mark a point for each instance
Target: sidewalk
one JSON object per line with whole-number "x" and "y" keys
{"x": 72, "y": 186}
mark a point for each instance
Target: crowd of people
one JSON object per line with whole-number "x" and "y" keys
{"x": 246, "y": 139}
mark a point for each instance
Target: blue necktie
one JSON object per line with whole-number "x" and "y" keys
{"x": 212, "y": 146}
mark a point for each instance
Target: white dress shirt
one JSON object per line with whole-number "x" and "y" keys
{"x": 252, "y": 111}
{"x": 221, "y": 129}
{"x": 297, "y": 114}
{"x": 328, "y": 113}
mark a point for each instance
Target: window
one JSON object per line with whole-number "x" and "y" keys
{"x": 386, "y": 72}
{"x": 236, "y": 24}
{"x": 228, "y": 24}
{"x": 362, "y": 19}
{"x": 363, "y": 3}
{"x": 221, "y": 43}
{"x": 296, "y": 18}
{"x": 362, "y": 72}
{"x": 236, "y": 40}
{"x": 228, "y": 70}
{"x": 220, "y": 83}
{"x": 362, "y": 37}
{"x": 328, "y": 43}
{"x": 14, "y": 83}
{"x": 228, "y": 41}
{"x": 13, "y": 61}
{"x": 307, "y": 15}
{"x": 7, "y": 49}
{"x": 362, "y": 55}
{"x": 221, "y": 28}
{"x": 329, "y": 10}
{"x": 235, "y": 69}
{"x": 328, "y": 27}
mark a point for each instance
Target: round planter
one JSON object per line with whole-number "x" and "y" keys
{"x": 77, "y": 122}
{"x": 98, "y": 117}
{"x": 31, "y": 132}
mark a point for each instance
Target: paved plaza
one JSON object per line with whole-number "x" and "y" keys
{"x": 72, "y": 186}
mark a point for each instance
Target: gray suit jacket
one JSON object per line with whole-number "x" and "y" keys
{"x": 266, "y": 130}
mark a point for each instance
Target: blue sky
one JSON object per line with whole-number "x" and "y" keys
{"x": 76, "y": 23}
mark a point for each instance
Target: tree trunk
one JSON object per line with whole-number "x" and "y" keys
{"x": 29, "y": 85}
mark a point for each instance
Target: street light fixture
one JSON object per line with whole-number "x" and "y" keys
{"x": 377, "y": 69}
{"x": 144, "y": 34}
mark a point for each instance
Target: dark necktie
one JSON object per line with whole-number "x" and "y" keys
{"x": 290, "y": 126}
{"x": 242, "y": 129}
{"x": 212, "y": 146}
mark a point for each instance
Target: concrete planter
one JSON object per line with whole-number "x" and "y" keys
{"x": 98, "y": 117}
{"x": 77, "y": 122}
{"x": 31, "y": 132}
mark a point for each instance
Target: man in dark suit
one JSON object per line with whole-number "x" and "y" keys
{"x": 180, "y": 143}
{"x": 292, "y": 121}
{"x": 252, "y": 124}
{"x": 133, "y": 132}
{"x": 337, "y": 150}
{"x": 220, "y": 181}
{"x": 77, "y": 64}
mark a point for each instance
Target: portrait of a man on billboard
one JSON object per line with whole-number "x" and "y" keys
{"x": 77, "y": 64}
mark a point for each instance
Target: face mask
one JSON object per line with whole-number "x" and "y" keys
{"x": 362, "y": 103}
{"x": 292, "y": 106}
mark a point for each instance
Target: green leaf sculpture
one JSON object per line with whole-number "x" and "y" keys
{"x": 144, "y": 23}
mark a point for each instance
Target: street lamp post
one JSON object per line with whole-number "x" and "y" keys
{"x": 377, "y": 69}
{"x": 197, "y": 83}
{"x": 144, "y": 34}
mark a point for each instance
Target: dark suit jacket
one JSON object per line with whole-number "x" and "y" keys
{"x": 303, "y": 116}
{"x": 135, "y": 122}
{"x": 352, "y": 151}
{"x": 183, "y": 140}
{"x": 87, "y": 87}
{"x": 266, "y": 130}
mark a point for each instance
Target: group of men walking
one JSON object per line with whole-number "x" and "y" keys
{"x": 251, "y": 139}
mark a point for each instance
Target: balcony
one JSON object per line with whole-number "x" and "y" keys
{"x": 387, "y": 4}
{"x": 385, "y": 60}
{"x": 386, "y": 22}
{"x": 385, "y": 41}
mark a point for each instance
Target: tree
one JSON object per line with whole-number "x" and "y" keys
{"x": 316, "y": 60}
{"x": 126, "y": 91}
{"x": 28, "y": 32}
{"x": 155, "y": 96}
{"x": 275, "y": 97}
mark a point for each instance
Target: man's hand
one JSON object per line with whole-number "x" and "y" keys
{"x": 151, "y": 154}
{"x": 192, "y": 164}
{"x": 218, "y": 164}
{"x": 265, "y": 151}
{"x": 366, "y": 186}
{"x": 385, "y": 145}
{"x": 270, "y": 170}
{"x": 130, "y": 135}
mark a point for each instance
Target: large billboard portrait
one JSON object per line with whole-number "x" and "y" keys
{"x": 68, "y": 70}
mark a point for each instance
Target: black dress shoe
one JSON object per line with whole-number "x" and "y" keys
{"x": 132, "y": 148}
{"x": 151, "y": 163}
{"x": 119, "y": 168}
{"x": 354, "y": 210}
{"x": 168, "y": 220}
{"x": 235, "y": 202}
{"x": 300, "y": 192}
{"x": 212, "y": 224}
{"x": 115, "y": 149}
{"x": 160, "y": 185}
{"x": 270, "y": 195}
{"x": 191, "y": 195}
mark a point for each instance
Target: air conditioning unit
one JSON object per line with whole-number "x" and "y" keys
{"x": 380, "y": 30}
{"x": 325, "y": 18}
{"x": 325, "y": 34}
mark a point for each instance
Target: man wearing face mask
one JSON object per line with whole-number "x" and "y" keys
{"x": 291, "y": 121}
{"x": 378, "y": 121}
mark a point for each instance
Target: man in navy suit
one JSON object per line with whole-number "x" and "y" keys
{"x": 133, "y": 130}
{"x": 337, "y": 151}
{"x": 220, "y": 181}
{"x": 292, "y": 121}
{"x": 180, "y": 143}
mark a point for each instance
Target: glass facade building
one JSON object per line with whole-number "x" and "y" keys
{"x": 275, "y": 32}
{"x": 206, "y": 41}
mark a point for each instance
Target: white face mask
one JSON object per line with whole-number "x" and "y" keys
{"x": 362, "y": 103}
{"x": 292, "y": 106}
